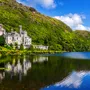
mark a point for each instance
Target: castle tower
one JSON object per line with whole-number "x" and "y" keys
{"x": 20, "y": 26}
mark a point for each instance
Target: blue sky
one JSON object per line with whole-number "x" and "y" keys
{"x": 74, "y": 13}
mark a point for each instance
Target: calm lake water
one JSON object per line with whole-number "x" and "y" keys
{"x": 66, "y": 71}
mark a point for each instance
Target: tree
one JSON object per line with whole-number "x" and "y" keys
{"x": 21, "y": 47}
{"x": 11, "y": 45}
{"x": 2, "y": 40}
{"x": 16, "y": 45}
{"x": 31, "y": 48}
{"x": 7, "y": 46}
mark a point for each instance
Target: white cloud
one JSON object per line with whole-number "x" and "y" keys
{"x": 75, "y": 21}
{"x": 82, "y": 27}
{"x": 47, "y": 3}
{"x": 43, "y": 3}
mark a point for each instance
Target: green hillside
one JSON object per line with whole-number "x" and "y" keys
{"x": 43, "y": 29}
{"x": 83, "y": 33}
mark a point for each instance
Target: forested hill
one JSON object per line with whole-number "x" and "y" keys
{"x": 83, "y": 33}
{"x": 43, "y": 29}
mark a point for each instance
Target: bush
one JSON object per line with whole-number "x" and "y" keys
{"x": 31, "y": 48}
{"x": 7, "y": 46}
{"x": 21, "y": 47}
{"x": 16, "y": 45}
{"x": 2, "y": 40}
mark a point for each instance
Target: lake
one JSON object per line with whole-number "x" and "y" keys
{"x": 64, "y": 71}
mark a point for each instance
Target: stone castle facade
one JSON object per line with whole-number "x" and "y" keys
{"x": 14, "y": 37}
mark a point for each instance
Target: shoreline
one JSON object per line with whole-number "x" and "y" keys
{"x": 19, "y": 52}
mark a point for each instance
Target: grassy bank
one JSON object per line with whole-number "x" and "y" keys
{"x": 19, "y": 52}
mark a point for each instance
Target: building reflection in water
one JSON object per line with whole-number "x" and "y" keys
{"x": 2, "y": 72}
{"x": 18, "y": 69}
{"x": 2, "y": 76}
{"x": 40, "y": 59}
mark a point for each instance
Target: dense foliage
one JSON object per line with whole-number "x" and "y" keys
{"x": 43, "y": 29}
{"x": 21, "y": 47}
{"x": 2, "y": 41}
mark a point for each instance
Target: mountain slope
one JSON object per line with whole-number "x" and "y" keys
{"x": 83, "y": 33}
{"x": 43, "y": 29}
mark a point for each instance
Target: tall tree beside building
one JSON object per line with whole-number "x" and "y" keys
{"x": 2, "y": 40}
{"x": 21, "y": 47}
{"x": 16, "y": 45}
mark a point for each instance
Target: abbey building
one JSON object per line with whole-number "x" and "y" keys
{"x": 14, "y": 37}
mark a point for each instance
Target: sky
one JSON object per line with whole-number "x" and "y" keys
{"x": 75, "y": 13}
